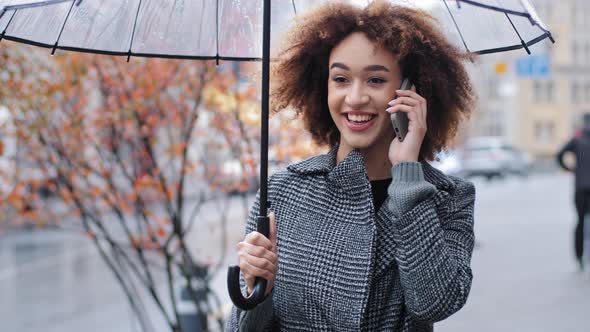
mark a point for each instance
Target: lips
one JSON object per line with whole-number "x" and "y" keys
{"x": 359, "y": 121}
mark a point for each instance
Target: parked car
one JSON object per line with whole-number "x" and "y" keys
{"x": 449, "y": 162}
{"x": 493, "y": 157}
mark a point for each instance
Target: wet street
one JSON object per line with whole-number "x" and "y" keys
{"x": 525, "y": 278}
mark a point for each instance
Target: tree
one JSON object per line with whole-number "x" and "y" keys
{"x": 113, "y": 148}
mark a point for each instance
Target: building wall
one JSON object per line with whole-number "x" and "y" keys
{"x": 539, "y": 114}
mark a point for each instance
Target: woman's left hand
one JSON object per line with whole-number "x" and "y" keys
{"x": 414, "y": 106}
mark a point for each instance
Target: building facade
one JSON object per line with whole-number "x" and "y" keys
{"x": 536, "y": 101}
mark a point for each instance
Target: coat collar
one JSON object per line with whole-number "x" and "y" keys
{"x": 351, "y": 173}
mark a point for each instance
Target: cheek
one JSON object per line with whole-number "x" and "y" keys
{"x": 334, "y": 100}
{"x": 385, "y": 97}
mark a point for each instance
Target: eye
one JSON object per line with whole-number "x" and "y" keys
{"x": 339, "y": 79}
{"x": 376, "y": 80}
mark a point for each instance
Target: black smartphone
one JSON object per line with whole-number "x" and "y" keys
{"x": 399, "y": 120}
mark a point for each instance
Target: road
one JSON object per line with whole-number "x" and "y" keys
{"x": 525, "y": 278}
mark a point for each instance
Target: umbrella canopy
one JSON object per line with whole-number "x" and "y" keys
{"x": 232, "y": 29}
{"x": 239, "y": 30}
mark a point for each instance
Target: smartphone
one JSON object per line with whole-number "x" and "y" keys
{"x": 399, "y": 120}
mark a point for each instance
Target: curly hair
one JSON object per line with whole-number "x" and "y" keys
{"x": 426, "y": 57}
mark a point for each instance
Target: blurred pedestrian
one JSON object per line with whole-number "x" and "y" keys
{"x": 368, "y": 237}
{"x": 580, "y": 146}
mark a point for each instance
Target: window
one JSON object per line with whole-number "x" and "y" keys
{"x": 578, "y": 11}
{"x": 493, "y": 87}
{"x": 575, "y": 91}
{"x": 537, "y": 90}
{"x": 581, "y": 20}
{"x": 550, "y": 88}
{"x": 575, "y": 9}
{"x": 496, "y": 130}
{"x": 544, "y": 131}
{"x": 543, "y": 91}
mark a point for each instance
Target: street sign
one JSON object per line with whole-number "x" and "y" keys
{"x": 533, "y": 66}
{"x": 500, "y": 67}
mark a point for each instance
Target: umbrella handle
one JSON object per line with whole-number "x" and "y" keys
{"x": 233, "y": 278}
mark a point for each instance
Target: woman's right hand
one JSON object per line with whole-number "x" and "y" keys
{"x": 258, "y": 257}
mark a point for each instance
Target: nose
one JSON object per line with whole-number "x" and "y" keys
{"x": 356, "y": 96}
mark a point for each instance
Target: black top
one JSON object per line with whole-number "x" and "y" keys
{"x": 580, "y": 146}
{"x": 379, "y": 189}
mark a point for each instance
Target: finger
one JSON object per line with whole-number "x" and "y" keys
{"x": 273, "y": 230}
{"x": 412, "y": 94}
{"x": 405, "y": 100}
{"x": 254, "y": 271}
{"x": 259, "y": 262}
{"x": 414, "y": 115}
{"x": 400, "y": 108}
{"x": 258, "y": 239}
{"x": 262, "y": 263}
{"x": 413, "y": 102}
{"x": 246, "y": 249}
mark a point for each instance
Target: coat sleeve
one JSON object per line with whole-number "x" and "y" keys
{"x": 261, "y": 317}
{"x": 433, "y": 252}
{"x": 568, "y": 147}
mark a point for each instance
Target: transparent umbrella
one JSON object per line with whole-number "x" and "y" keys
{"x": 239, "y": 30}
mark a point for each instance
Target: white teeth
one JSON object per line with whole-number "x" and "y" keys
{"x": 359, "y": 118}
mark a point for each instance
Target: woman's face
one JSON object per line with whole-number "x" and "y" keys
{"x": 362, "y": 80}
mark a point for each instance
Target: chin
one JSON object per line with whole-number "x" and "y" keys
{"x": 360, "y": 142}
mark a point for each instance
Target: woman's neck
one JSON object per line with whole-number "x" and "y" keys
{"x": 376, "y": 159}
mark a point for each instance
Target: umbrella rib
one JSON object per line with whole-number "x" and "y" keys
{"x": 456, "y": 26}
{"x": 217, "y": 32}
{"x": 7, "y": 25}
{"x": 513, "y": 47}
{"x": 499, "y": 9}
{"x": 143, "y": 55}
{"x": 62, "y": 28}
{"x": 33, "y": 4}
{"x": 294, "y": 7}
{"x": 133, "y": 31}
{"x": 524, "y": 45}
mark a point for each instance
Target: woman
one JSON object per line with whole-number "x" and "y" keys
{"x": 368, "y": 236}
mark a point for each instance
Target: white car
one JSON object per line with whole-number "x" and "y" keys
{"x": 493, "y": 157}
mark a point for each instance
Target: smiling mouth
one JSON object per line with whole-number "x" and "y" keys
{"x": 356, "y": 118}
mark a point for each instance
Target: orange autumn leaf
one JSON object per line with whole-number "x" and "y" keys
{"x": 177, "y": 148}
{"x": 145, "y": 181}
{"x": 96, "y": 192}
{"x": 163, "y": 221}
{"x": 161, "y": 231}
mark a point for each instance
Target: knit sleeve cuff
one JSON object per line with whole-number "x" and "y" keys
{"x": 408, "y": 187}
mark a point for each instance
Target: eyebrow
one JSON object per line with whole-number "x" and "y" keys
{"x": 367, "y": 68}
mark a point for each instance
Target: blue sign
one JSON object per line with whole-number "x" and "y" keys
{"x": 534, "y": 66}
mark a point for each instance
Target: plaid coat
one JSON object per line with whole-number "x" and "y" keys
{"x": 345, "y": 267}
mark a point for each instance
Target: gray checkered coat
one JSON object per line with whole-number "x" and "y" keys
{"x": 345, "y": 267}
